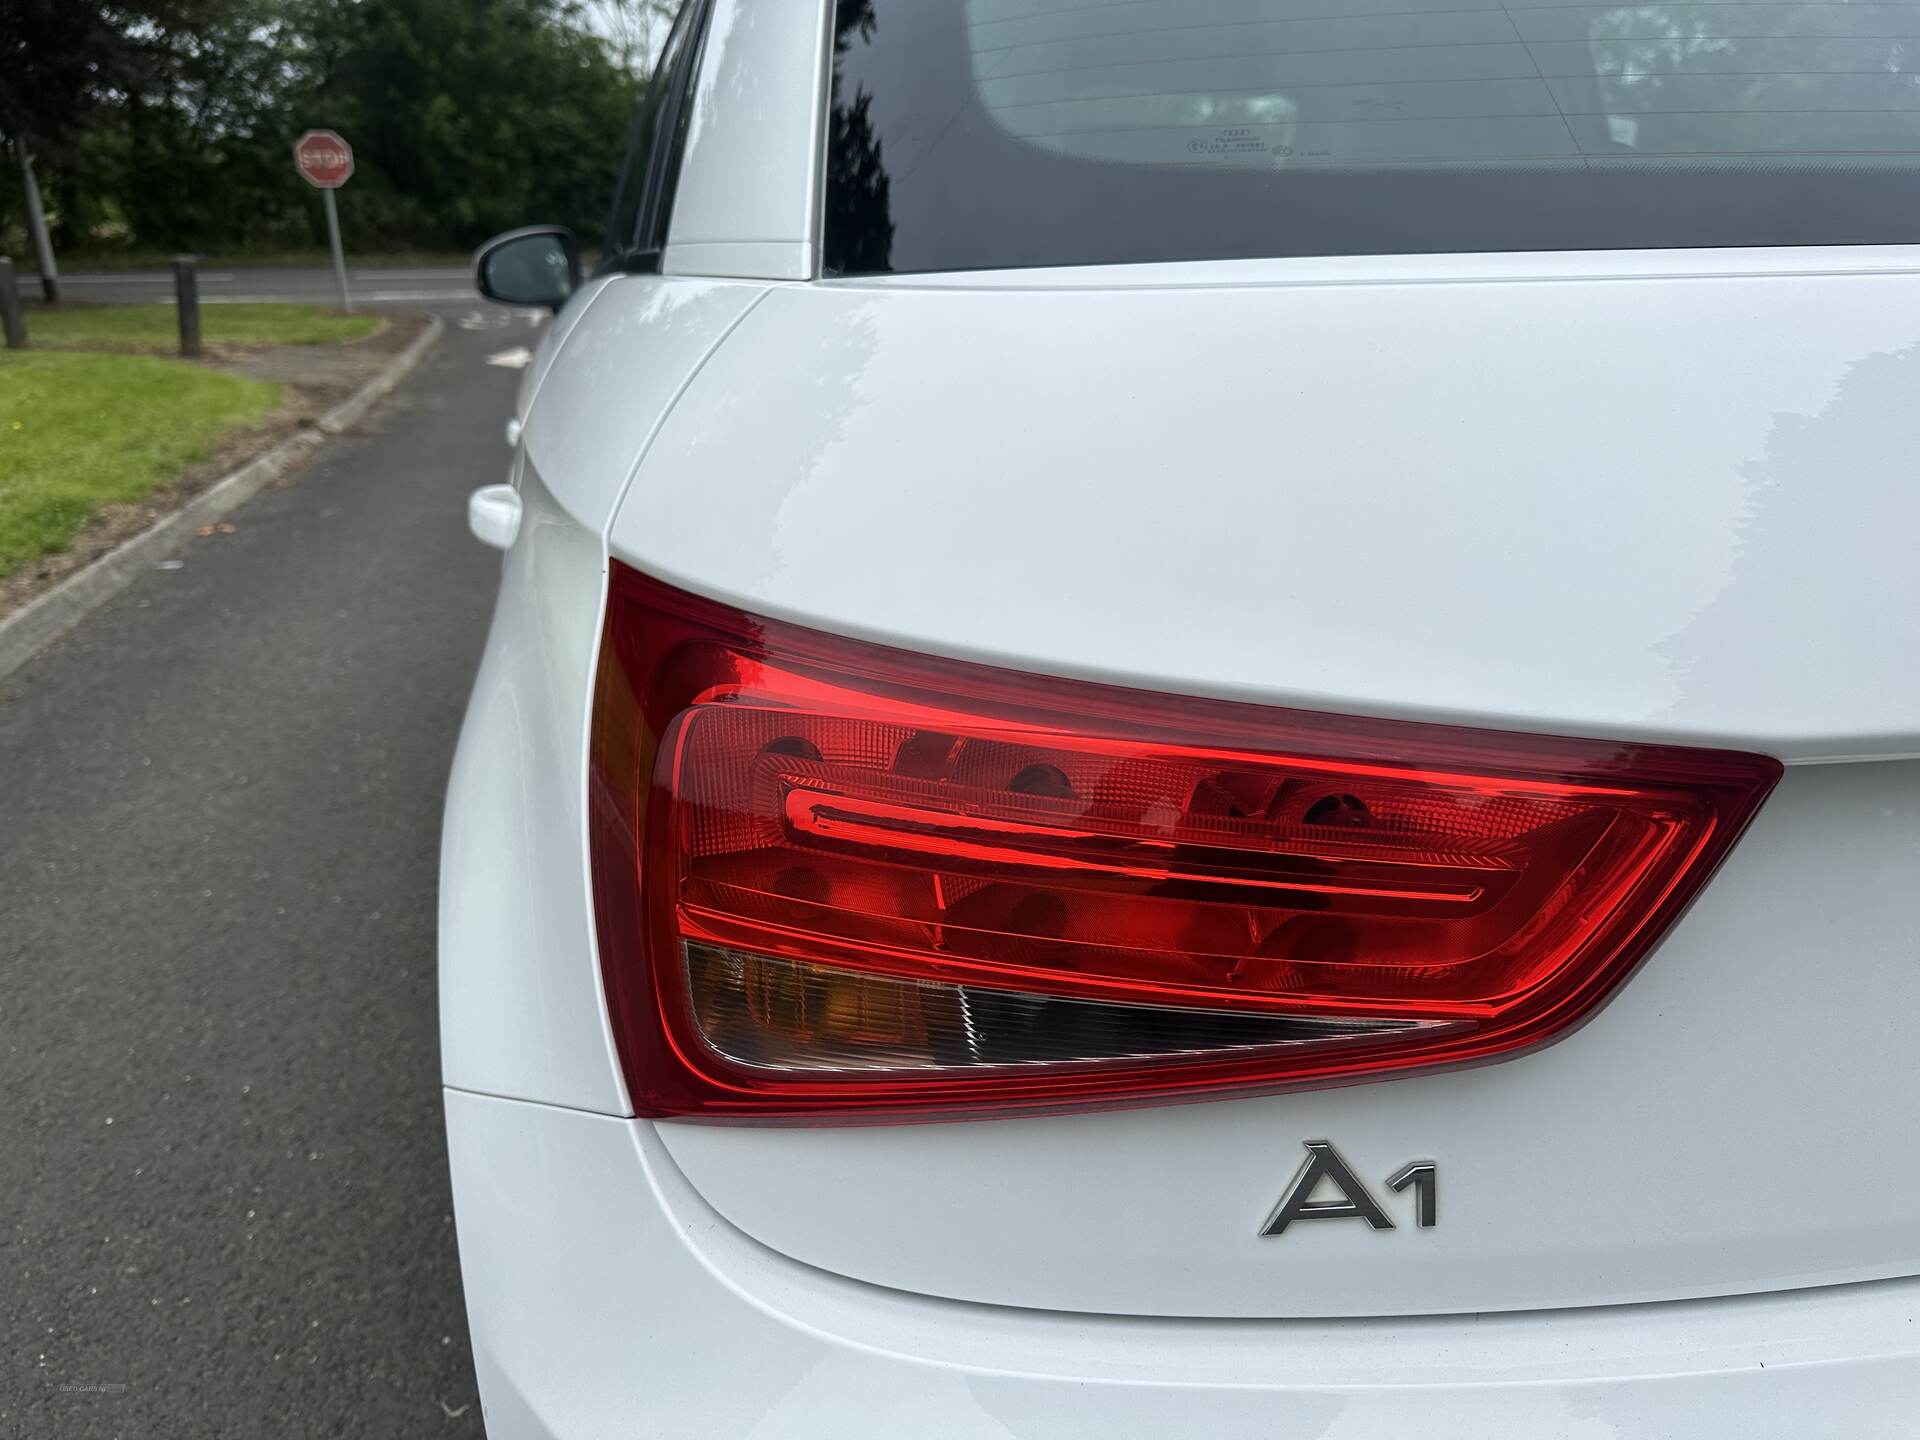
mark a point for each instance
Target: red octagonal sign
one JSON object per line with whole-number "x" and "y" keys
{"x": 324, "y": 160}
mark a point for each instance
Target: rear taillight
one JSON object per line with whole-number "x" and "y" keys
{"x": 839, "y": 880}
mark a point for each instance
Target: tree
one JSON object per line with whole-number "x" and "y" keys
{"x": 466, "y": 117}
{"x": 634, "y": 30}
{"x": 65, "y": 59}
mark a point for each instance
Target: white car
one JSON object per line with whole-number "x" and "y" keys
{"x": 1203, "y": 722}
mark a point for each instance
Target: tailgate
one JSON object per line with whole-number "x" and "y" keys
{"x": 1672, "y": 502}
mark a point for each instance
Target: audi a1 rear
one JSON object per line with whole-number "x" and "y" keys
{"x": 1204, "y": 721}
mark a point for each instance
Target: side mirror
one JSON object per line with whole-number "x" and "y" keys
{"x": 539, "y": 265}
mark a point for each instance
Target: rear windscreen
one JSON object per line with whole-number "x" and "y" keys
{"x": 970, "y": 134}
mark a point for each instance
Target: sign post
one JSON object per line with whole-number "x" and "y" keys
{"x": 325, "y": 161}
{"x": 37, "y": 224}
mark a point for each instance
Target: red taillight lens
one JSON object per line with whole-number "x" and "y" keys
{"x": 835, "y": 879}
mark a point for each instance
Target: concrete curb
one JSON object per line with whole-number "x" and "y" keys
{"x": 34, "y": 625}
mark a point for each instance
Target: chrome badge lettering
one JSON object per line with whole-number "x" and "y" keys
{"x": 1354, "y": 1201}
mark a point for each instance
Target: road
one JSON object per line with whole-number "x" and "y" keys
{"x": 221, "y": 1149}
{"x": 372, "y": 286}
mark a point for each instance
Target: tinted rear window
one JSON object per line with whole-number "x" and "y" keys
{"x": 969, "y": 134}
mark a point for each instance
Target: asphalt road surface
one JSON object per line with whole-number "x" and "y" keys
{"x": 221, "y": 1157}
{"x": 376, "y": 286}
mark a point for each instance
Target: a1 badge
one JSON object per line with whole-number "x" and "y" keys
{"x": 1353, "y": 1200}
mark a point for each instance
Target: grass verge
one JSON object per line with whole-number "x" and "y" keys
{"x": 156, "y": 328}
{"x": 81, "y": 431}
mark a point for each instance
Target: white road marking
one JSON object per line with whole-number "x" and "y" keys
{"x": 29, "y": 285}
{"x": 327, "y": 297}
{"x": 515, "y": 359}
{"x": 158, "y": 277}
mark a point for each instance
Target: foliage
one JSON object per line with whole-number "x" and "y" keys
{"x": 81, "y": 431}
{"x": 155, "y": 328}
{"x": 466, "y": 117}
{"x": 64, "y": 59}
{"x": 635, "y": 30}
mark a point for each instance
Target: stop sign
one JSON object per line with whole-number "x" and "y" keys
{"x": 324, "y": 160}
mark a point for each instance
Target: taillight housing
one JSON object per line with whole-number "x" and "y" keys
{"x": 839, "y": 881}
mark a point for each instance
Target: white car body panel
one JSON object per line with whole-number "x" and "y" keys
{"x": 1751, "y": 264}
{"x": 824, "y": 536}
{"x": 606, "y": 1298}
{"x": 1658, "y": 1153}
{"x": 520, "y": 1006}
{"x": 625, "y": 363}
{"x": 521, "y": 1009}
{"x": 746, "y": 200}
{"x": 553, "y": 338}
{"x": 1661, "y": 495}
{"x": 1644, "y": 531}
